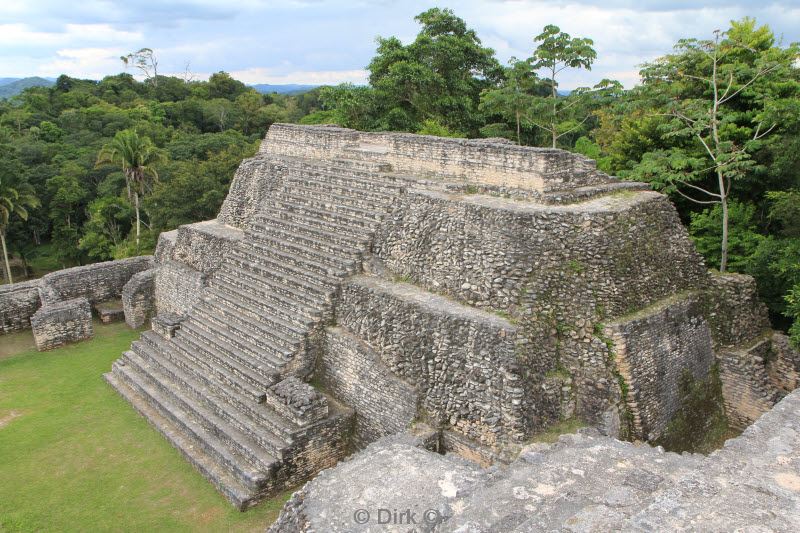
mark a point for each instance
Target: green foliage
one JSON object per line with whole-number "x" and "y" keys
{"x": 705, "y": 229}
{"x": 432, "y": 127}
{"x": 793, "y": 312}
{"x": 439, "y": 76}
{"x": 700, "y": 424}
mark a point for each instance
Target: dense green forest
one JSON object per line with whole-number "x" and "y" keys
{"x": 715, "y": 124}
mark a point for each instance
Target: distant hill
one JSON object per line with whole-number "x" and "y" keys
{"x": 13, "y": 86}
{"x": 291, "y": 88}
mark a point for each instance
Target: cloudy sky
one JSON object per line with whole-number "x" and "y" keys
{"x": 321, "y": 41}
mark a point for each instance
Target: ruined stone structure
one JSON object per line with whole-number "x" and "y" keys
{"x": 357, "y": 284}
{"x": 58, "y": 307}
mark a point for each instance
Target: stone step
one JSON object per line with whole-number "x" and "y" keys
{"x": 240, "y": 468}
{"x": 249, "y": 428}
{"x": 250, "y": 281}
{"x": 267, "y": 327}
{"x": 282, "y": 273}
{"x": 267, "y": 354}
{"x": 276, "y": 261}
{"x": 236, "y": 492}
{"x": 187, "y": 352}
{"x": 286, "y": 199}
{"x": 261, "y": 317}
{"x": 243, "y": 402}
{"x": 337, "y": 226}
{"x": 343, "y": 241}
{"x": 289, "y": 310}
{"x": 325, "y": 269}
{"x": 261, "y": 449}
{"x": 327, "y": 182}
{"x": 354, "y": 198}
{"x": 270, "y": 231}
{"x": 345, "y": 260}
{"x": 371, "y": 170}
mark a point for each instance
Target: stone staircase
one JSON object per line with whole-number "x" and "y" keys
{"x": 210, "y": 388}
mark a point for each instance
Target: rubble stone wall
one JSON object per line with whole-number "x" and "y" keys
{"x": 177, "y": 288}
{"x": 18, "y": 303}
{"x": 62, "y": 322}
{"x": 350, "y": 370}
{"x": 652, "y": 350}
{"x": 97, "y": 282}
{"x": 138, "y": 298}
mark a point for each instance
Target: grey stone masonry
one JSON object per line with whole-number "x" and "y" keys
{"x": 584, "y": 482}
{"x": 139, "y": 299}
{"x": 652, "y": 350}
{"x": 252, "y": 317}
{"x": 297, "y": 401}
{"x": 97, "y": 282}
{"x": 62, "y": 322}
{"x": 18, "y": 302}
{"x": 734, "y": 312}
{"x": 462, "y": 284}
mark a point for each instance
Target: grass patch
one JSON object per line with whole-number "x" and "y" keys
{"x": 562, "y": 427}
{"x": 77, "y": 457}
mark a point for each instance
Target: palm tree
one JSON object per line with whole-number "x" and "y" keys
{"x": 13, "y": 201}
{"x": 138, "y": 157}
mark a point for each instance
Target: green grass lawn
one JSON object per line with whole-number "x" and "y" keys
{"x": 74, "y": 456}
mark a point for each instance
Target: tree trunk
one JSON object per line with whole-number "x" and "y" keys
{"x": 138, "y": 220}
{"x": 555, "y": 107}
{"x": 519, "y": 142}
{"x": 723, "y": 262}
{"x": 5, "y": 256}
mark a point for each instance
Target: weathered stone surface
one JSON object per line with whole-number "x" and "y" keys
{"x": 734, "y": 311}
{"x": 139, "y": 299}
{"x": 110, "y": 311}
{"x": 652, "y": 350}
{"x": 165, "y": 246}
{"x": 18, "y": 302}
{"x": 97, "y": 282}
{"x": 203, "y": 246}
{"x": 177, "y": 287}
{"x": 59, "y": 323}
{"x": 585, "y": 482}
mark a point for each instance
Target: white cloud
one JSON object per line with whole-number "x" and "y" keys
{"x": 91, "y": 63}
{"x": 321, "y": 77}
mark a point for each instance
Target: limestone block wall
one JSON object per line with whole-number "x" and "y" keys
{"x": 18, "y": 302}
{"x": 97, "y": 282}
{"x": 746, "y": 387}
{"x": 734, "y": 312}
{"x": 177, "y": 287}
{"x": 252, "y": 182}
{"x": 487, "y": 162}
{"x": 352, "y": 371}
{"x": 59, "y": 323}
{"x": 203, "y": 245}
{"x": 463, "y": 362}
{"x": 652, "y": 349}
{"x": 138, "y": 298}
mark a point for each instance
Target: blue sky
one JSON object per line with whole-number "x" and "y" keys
{"x": 319, "y": 41}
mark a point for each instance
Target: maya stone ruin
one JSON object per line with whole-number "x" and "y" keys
{"x": 461, "y": 294}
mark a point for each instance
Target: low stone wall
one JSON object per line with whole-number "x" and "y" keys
{"x": 62, "y": 322}
{"x": 18, "y": 302}
{"x": 351, "y": 371}
{"x": 733, "y": 310}
{"x": 97, "y": 282}
{"x": 177, "y": 288}
{"x": 462, "y": 361}
{"x": 652, "y": 350}
{"x": 138, "y": 298}
{"x": 482, "y": 161}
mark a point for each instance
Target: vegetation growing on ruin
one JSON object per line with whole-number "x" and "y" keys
{"x": 700, "y": 424}
{"x": 75, "y": 453}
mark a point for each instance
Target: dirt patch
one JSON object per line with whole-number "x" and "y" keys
{"x": 8, "y": 417}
